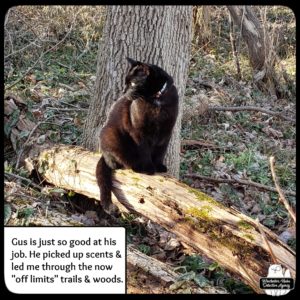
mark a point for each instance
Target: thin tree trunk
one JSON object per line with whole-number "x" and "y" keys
{"x": 259, "y": 47}
{"x": 158, "y": 35}
{"x": 234, "y": 48}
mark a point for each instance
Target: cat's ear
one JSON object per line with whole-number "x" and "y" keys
{"x": 140, "y": 69}
{"x": 133, "y": 62}
{"x": 143, "y": 70}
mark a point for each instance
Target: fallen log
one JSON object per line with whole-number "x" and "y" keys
{"x": 221, "y": 233}
{"x": 151, "y": 265}
{"x": 162, "y": 270}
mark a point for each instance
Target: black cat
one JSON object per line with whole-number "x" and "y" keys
{"x": 139, "y": 126}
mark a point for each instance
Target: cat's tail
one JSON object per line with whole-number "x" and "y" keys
{"x": 104, "y": 180}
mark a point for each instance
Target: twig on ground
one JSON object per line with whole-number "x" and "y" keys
{"x": 240, "y": 181}
{"x": 66, "y": 87}
{"x": 67, "y": 109}
{"x": 250, "y": 108}
{"x": 263, "y": 235}
{"x": 221, "y": 91}
{"x": 22, "y": 195}
{"x": 69, "y": 104}
{"x": 242, "y": 108}
{"x": 244, "y": 269}
{"x": 76, "y": 76}
{"x": 280, "y": 192}
{"x": 23, "y": 178}
{"x": 207, "y": 84}
{"x": 28, "y": 138}
{"x": 22, "y": 49}
{"x": 198, "y": 143}
{"x": 63, "y": 65}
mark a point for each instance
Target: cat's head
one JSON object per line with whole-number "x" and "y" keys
{"x": 137, "y": 75}
{"x": 145, "y": 80}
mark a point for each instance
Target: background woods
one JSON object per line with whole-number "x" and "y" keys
{"x": 238, "y": 110}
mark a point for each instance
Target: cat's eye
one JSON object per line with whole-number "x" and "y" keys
{"x": 132, "y": 84}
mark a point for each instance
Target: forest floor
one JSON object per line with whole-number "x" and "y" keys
{"x": 49, "y": 104}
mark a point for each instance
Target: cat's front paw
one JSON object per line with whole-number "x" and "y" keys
{"x": 160, "y": 168}
{"x": 146, "y": 169}
{"x": 149, "y": 170}
{"x": 109, "y": 208}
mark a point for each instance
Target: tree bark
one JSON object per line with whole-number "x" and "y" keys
{"x": 223, "y": 234}
{"x": 158, "y": 35}
{"x": 202, "y": 25}
{"x": 259, "y": 48}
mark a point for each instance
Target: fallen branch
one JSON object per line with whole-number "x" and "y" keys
{"x": 274, "y": 258}
{"x": 251, "y": 108}
{"x": 244, "y": 269}
{"x": 23, "y": 178}
{"x": 70, "y": 88}
{"x": 13, "y": 194}
{"x": 67, "y": 109}
{"x": 280, "y": 192}
{"x": 76, "y": 76}
{"x": 161, "y": 270}
{"x": 196, "y": 219}
{"x": 153, "y": 266}
{"x": 67, "y": 103}
{"x": 28, "y": 139}
{"x": 199, "y": 143}
{"x": 22, "y": 49}
{"x": 240, "y": 181}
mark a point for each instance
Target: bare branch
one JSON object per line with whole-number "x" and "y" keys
{"x": 244, "y": 269}
{"x": 28, "y": 138}
{"x": 199, "y": 143}
{"x": 251, "y": 108}
{"x": 243, "y": 182}
{"x": 234, "y": 48}
{"x": 280, "y": 192}
{"x": 23, "y": 178}
{"x": 22, "y": 49}
{"x": 275, "y": 260}
{"x": 67, "y": 109}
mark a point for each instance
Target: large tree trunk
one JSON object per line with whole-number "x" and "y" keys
{"x": 223, "y": 234}
{"x": 260, "y": 50}
{"x": 159, "y": 35}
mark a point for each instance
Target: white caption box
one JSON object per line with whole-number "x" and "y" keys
{"x": 76, "y": 260}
